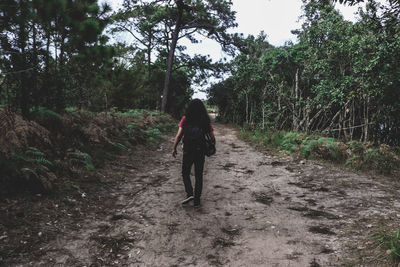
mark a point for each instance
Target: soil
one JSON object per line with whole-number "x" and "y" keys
{"x": 258, "y": 208}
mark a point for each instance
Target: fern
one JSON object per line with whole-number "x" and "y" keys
{"x": 134, "y": 113}
{"x": 71, "y": 109}
{"x": 28, "y": 172}
{"x": 82, "y": 158}
{"x": 30, "y": 163}
{"x": 118, "y": 146}
{"x": 42, "y": 111}
{"x": 131, "y": 129}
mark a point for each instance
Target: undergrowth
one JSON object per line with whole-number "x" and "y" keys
{"x": 76, "y": 141}
{"x": 358, "y": 155}
{"x": 389, "y": 243}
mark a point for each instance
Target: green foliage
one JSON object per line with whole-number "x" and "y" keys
{"x": 322, "y": 147}
{"x": 53, "y": 76}
{"x": 340, "y": 78}
{"x": 81, "y": 158}
{"x": 134, "y": 113}
{"x": 389, "y": 242}
{"x": 152, "y": 134}
{"x": 377, "y": 159}
{"x": 382, "y": 159}
{"x": 71, "y": 109}
{"x": 131, "y": 129}
{"x": 353, "y": 161}
{"x": 30, "y": 163}
{"x": 357, "y": 147}
{"x": 119, "y": 146}
{"x": 290, "y": 141}
{"x": 44, "y": 112}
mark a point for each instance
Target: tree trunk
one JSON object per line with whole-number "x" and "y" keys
{"x": 247, "y": 108}
{"x": 45, "y": 86}
{"x": 149, "y": 53}
{"x": 263, "y": 107}
{"x": 175, "y": 36}
{"x": 22, "y": 61}
{"x": 366, "y": 119}
{"x": 295, "y": 105}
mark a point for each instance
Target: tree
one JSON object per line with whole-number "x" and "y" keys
{"x": 211, "y": 18}
{"x": 169, "y": 21}
{"x": 39, "y": 43}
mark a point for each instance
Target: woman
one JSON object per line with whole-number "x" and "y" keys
{"x": 193, "y": 127}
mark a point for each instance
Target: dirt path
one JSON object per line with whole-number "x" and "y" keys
{"x": 257, "y": 210}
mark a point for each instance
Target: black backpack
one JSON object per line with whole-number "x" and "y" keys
{"x": 193, "y": 138}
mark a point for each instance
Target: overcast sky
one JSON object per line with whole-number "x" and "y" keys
{"x": 275, "y": 17}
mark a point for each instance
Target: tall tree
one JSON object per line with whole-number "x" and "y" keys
{"x": 210, "y": 18}
{"x": 170, "y": 21}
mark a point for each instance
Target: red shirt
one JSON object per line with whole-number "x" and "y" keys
{"x": 183, "y": 120}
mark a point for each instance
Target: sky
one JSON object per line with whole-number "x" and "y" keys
{"x": 275, "y": 17}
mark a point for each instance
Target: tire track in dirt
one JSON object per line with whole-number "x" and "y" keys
{"x": 258, "y": 209}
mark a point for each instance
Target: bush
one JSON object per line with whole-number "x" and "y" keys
{"x": 380, "y": 159}
{"x": 290, "y": 141}
{"x": 78, "y": 141}
{"x": 383, "y": 159}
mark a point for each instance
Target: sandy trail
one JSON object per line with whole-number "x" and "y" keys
{"x": 258, "y": 209}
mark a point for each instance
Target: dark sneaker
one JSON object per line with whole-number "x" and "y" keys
{"x": 186, "y": 200}
{"x": 196, "y": 203}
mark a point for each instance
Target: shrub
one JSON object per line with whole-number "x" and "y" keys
{"x": 356, "y": 147}
{"x": 290, "y": 141}
{"x": 380, "y": 159}
{"x": 276, "y": 139}
{"x": 307, "y": 147}
{"x": 356, "y": 154}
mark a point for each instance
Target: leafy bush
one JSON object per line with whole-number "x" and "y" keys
{"x": 290, "y": 141}
{"x": 85, "y": 139}
{"x": 355, "y": 154}
{"x": 356, "y": 147}
{"x": 377, "y": 158}
{"x": 308, "y": 147}
{"x": 276, "y": 139}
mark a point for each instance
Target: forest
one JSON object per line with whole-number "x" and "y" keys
{"x": 340, "y": 79}
{"x": 86, "y": 123}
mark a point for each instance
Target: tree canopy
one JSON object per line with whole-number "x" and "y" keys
{"x": 340, "y": 78}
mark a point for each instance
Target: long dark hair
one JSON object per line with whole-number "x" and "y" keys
{"x": 196, "y": 114}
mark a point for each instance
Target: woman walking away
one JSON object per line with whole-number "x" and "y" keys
{"x": 193, "y": 127}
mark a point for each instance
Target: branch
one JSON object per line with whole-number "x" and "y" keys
{"x": 18, "y": 71}
{"x": 353, "y": 127}
{"x": 198, "y": 25}
{"x": 186, "y": 34}
{"x": 337, "y": 114}
{"x": 134, "y": 36}
{"x": 181, "y": 66}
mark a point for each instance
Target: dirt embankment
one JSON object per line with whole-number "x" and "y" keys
{"x": 258, "y": 209}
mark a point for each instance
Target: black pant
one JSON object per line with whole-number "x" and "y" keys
{"x": 188, "y": 159}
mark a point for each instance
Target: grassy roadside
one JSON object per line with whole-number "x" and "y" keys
{"x": 357, "y": 155}
{"x": 51, "y": 150}
{"x": 353, "y": 155}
